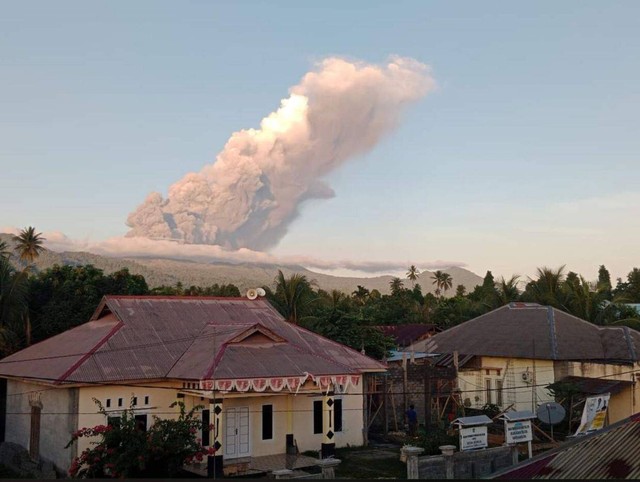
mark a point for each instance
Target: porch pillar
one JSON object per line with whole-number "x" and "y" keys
{"x": 328, "y": 435}
{"x": 289, "y": 445}
{"x": 215, "y": 462}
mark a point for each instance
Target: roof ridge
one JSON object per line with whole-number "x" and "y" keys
{"x": 179, "y": 297}
{"x": 90, "y": 353}
{"x": 195, "y": 338}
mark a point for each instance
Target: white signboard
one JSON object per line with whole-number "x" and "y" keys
{"x": 594, "y": 414}
{"x": 473, "y": 437}
{"x": 519, "y": 431}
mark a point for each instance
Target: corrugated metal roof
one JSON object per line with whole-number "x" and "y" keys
{"x": 528, "y": 330}
{"x": 612, "y": 453}
{"x": 146, "y": 337}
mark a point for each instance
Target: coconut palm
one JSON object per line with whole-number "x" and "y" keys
{"x": 546, "y": 289}
{"x": 443, "y": 281}
{"x": 29, "y": 244}
{"x": 396, "y": 285}
{"x": 361, "y": 295}
{"x": 293, "y": 295}
{"x": 508, "y": 290}
{"x": 413, "y": 274}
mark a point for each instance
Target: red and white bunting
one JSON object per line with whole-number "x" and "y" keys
{"x": 259, "y": 384}
{"x": 224, "y": 385}
{"x": 243, "y": 385}
{"x": 355, "y": 380}
{"x": 277, "y": 384}
{"x": 206, "y": 384}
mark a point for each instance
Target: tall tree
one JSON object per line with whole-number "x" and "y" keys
{"x": 443, "y": 281}
{"x": 361, "y": 295}
{"x": 413, "y": 274}
{"x": 29, "y": 244}
{"x": 396, "y": 285}
{"x": 604, "y": 281}
{"x": 293, "y": 295}
{"x": 507, "y": 290}
{"x": 13, "y": 305}
{"x": 546, "y": 289}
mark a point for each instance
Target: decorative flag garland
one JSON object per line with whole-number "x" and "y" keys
{"x": 277, "y": 384}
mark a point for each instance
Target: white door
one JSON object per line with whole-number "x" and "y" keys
{"x": 236, "y": 430}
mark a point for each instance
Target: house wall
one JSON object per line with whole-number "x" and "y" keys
{"x": 301, "y": 409}
{"x": 523, "y": 395}
{"x": 160, "y": 398}
{"x": 58, "y": 419}
{"x": 301, "y": 420}
{"x": 622, "y": 404}
{"x": 411, "y": 392}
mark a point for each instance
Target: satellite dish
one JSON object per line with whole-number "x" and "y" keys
{"x": 550, "y": 413}
{"x": 252, "y": 294}
{"x": 261, "y": 292}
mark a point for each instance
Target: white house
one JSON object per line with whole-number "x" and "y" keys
{"x": 510, "y": 355}
{"x": 268, "y": 386}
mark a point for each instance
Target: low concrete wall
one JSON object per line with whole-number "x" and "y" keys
{"x": 465, "y": 465}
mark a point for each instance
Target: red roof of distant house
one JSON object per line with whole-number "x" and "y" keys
{"x": 193, "y": 338}
{"x": 404, "y": 335}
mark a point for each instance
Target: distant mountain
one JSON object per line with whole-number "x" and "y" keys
{"x": 161, "y": 271}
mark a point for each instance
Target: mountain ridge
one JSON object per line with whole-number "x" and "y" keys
{"x": 167, "y": 271}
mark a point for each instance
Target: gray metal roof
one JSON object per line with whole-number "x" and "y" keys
{"x": 514, "y": 415}
{"x": 472, "y": 421}
{"x": 193, "y": 338}
{"x": 529, "y": 330}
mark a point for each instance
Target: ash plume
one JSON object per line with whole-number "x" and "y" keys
{"x": 248, "y": 197}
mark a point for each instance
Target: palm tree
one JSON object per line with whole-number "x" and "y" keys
{"x": 447, "y": 282}
{"x": 412, "y": 274}
{"x": 547, "y": 288}
{"x": 396, "y": 285}
{"x": 5, "y": 252}
{"x": 442, "y": 280}
{"x": 29, "y": 244}
{"x": 508, "y": 290}
{"x": 293, "y": 295}
{"x": 361, "y": 295}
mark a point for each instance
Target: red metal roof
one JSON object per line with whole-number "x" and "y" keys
{"x": 152, "y": 337}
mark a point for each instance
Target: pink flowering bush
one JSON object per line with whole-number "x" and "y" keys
{"x": 125, "y": 451}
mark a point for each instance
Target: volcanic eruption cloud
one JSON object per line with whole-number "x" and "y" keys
{"x": 248, "y": 197}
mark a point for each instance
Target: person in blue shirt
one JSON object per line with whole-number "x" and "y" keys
{"x": 412, "y": 418}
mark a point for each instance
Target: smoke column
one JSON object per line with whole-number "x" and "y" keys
{"x": 251, "y": 193}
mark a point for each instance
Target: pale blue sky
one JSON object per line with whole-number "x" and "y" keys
{"x": 526, "y": 155}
